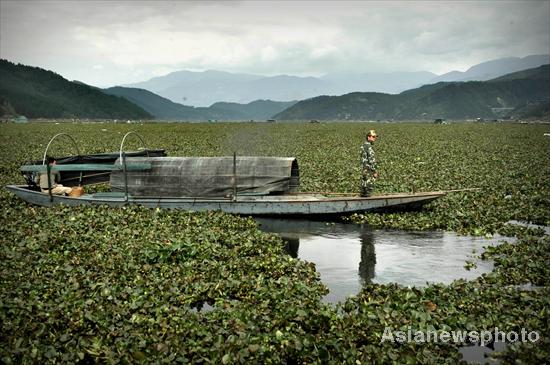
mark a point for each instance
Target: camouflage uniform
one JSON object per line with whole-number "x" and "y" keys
{"x": 368, "y": 169}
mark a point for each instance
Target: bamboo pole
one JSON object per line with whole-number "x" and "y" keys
{"x": 234, "y": 176}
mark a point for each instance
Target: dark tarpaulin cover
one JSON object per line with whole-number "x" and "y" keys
{"x": 209, "y": 176}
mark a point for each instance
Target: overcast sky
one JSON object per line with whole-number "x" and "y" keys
{"x": 104, "y": 43}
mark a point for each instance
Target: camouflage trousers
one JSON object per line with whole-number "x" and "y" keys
{"x": 367, "y": 183}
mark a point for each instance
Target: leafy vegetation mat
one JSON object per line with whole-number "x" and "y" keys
{"x": 97, "y": 284}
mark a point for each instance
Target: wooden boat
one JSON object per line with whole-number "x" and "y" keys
{"x": 260, "y": 186}
{"x": 302, "y": 204}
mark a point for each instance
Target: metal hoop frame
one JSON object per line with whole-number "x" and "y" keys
{"x": 140, "y": 138}
{"x": 51, "y": 140}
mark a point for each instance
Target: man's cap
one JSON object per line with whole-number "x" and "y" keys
{"x": 372, "y": 132}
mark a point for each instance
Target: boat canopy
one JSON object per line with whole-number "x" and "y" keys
{"x": 98, "y": 169}
{"x": 208, "y": 176}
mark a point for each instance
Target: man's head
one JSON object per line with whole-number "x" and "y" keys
{"x": 371, "y": 136}
{"x": 50, "y": 160}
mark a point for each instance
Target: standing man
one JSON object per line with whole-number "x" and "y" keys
{"x": 368, "y": 164}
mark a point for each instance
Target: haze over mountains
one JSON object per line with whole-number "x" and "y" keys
{"x": 162, "y": 108}
{"x": 518, "y": 94}
{"x": 38, "y": 93}
{"x": 208, "y": 87}
{"x": 495, "y": 68}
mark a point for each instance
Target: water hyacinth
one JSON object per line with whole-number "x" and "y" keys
{"x": 142, "y": 285}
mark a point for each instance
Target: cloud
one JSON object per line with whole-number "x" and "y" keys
{"x": 268, "y": 37}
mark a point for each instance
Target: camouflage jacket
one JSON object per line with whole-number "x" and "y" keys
{"x": 368, "y": 160}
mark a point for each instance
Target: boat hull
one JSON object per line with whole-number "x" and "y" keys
{"x": 300, "y": 204}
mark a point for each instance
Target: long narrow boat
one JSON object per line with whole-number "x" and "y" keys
{"x": 247, "y": 185}
{"x": 303, "y": 204}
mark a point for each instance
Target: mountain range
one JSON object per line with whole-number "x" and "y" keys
{"x": 38, "y": 93}
{"x": 208, "y": 87}
{"x": 495, "y": 68}
{"x": 518, "y": 94}
{"x": 164, "y": 109}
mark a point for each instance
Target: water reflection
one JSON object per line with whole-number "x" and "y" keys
{"x": 292, "y": 230}
{"x": 348, "y": 255}
{"x": 292, "y": 246}
{"x": 344, "y": 254}
{"x": 368, "y": 256}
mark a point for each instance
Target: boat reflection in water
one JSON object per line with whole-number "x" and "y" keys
{"x": 349, "y": 255}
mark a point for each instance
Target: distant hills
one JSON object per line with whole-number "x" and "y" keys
{"x": 495, "y": 68}
{"x": 37, "y": 93}
{"x": 388, "y": 82}
{"x": 162, "y": 108}
{"x": 256, "y": 110}
{"x": 522, "y": 93}
{"x": 208, "y": 87}
{"x": 155, "y": 105}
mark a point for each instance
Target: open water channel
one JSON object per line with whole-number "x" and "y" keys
{"x": 348, "y": 255}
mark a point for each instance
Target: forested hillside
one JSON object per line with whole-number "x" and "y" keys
{"x": 159, "y": 107}
{"x": 162, "y": 108}
{"x": 455, "y": 100}
{"x": 37, "y": 93}
{"x": 255, "y": 110}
